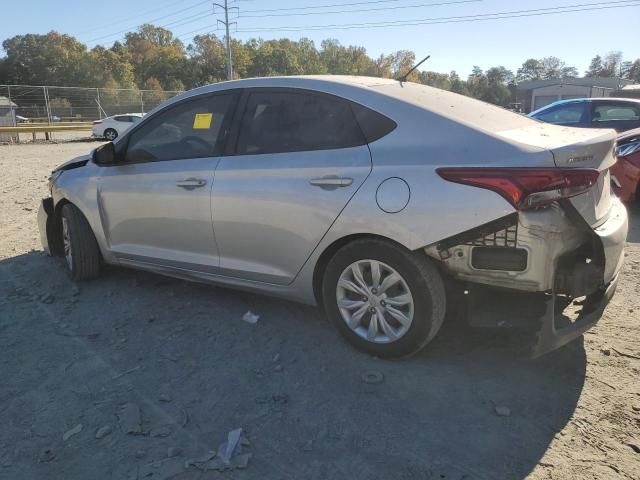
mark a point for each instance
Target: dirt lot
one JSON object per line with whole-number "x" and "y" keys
{"x": 93, "y": 354}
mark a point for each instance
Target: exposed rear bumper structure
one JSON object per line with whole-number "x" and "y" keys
{"x": 552, "y": 336}
{"x": 571, "y": 272}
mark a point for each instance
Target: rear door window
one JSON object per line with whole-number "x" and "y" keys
{"x": 614, "y": 111}
{"x": 374, "y": 125}
{"x": 287, "y": 121}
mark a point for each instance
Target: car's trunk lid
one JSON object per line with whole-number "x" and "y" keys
{"x": 577, "y": 148}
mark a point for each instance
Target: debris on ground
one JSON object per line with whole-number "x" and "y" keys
{"x": 103, "y": 432}
{"x": 48, "y": 299}
{"x": 129, "y": 418}
{"x": 131, "y": 370}
{"x": 70, "y": 433}
{"x": 164, "y": 398}
{"x": 162, "y": 431}
{"x": 46, "y": 455}
{"x": 141, "y": 453}
{"x": 228, "y": 457}
{"x": 373, "y": 377}
{"x": 308, "y": 446}
{"x": 251, "y": 317}
{"x": 161, "y": 470}
{"x": 502, "y": 411}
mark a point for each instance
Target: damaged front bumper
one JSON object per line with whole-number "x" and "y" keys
{"x": 48, "y": 227}
{"x": 546, "y": 271}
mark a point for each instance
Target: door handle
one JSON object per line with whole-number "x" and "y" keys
{"x": 331, "y": 182}
{"x": 191, "y": 183}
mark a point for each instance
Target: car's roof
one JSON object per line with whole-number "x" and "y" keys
{"x": 387, "y": 96}
{"x": 592, "y": 99}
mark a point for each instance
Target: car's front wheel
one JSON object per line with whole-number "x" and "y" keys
{"x": 81, "y": 250}
{"x": 110, "y": 134}
{"x": 385, "y": 300}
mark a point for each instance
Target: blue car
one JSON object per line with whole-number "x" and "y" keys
{"x": 620, "y": 114}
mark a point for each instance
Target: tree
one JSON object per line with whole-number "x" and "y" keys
{"x": 434, "y": 79}
{"x": 108, "y": 68}
{"x": 611, "y": 64}
{"x": 634, "y": 72}
{"x": 51, "y": 59}
{"x": 457, "y": 85}
{"x": 340, "y": 60}
{"x": 207, "y": 60}
{"x": 155, "y": 53}
{"x": 553, "y": 67}
{"x": 595, "y": 67}
{"x": 531, "y": 69}
{"x": 401, "y": 62}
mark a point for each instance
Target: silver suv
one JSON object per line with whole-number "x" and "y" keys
{"x": 382, "y": 201}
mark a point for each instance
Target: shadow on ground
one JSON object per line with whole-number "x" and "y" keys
{"x": 289, "y": 381}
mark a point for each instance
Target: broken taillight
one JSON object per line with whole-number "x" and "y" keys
{"x": 525, "y": 187}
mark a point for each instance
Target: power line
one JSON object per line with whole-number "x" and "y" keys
{"x": 137, "y": 14}
{"x": 458, "y": 19}
{"x": 128, "y": 29}
{"x": 397, "y": 7}
{"x": 331, "y": 5}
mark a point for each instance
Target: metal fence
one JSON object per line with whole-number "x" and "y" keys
{"x": 47, "y": 104}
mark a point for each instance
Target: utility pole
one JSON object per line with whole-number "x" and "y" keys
{"x": 226, "y": 24}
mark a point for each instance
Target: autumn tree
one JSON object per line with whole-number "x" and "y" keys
{"x": 155, "y": 53}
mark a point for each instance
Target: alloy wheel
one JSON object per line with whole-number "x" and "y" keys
{"x": 375, "y": 301}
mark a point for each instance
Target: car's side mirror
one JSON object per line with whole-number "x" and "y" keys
{"x": 105, "y": 154}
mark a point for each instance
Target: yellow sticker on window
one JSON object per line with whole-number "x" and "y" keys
{"x": 202, "y": 121}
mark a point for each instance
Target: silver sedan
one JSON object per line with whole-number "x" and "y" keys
{"x": 384, "y": 202}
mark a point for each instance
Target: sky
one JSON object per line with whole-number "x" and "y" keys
{"x": 575, "y": 36}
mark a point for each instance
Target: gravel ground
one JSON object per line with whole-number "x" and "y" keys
{"x": 99, "y": 353}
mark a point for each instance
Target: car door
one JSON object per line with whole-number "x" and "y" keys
{"x": 619, "y": 115}
{"x": 155, "y": 203}
{"x": 297, "y": 158}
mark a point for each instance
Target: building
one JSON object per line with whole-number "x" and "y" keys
{"x": 534, "y": 94}
{"x": 7, "y": 117}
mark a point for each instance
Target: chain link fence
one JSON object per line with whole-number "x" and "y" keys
{"x": 45, "y": 104}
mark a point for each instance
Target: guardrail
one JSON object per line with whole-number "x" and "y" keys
{"x": 46, "y": 129}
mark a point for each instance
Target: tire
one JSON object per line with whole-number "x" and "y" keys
{"x": 81, "y": 250}
{"x": 418, "y": 277}
{"x": 110, "y": 134}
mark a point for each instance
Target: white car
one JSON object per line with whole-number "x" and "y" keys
{"x": 111, "y": 127}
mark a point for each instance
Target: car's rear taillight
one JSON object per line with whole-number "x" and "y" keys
{"x": 525, "y": 187}
{"x": 97, "y": 122}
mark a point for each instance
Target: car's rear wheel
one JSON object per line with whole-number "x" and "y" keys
{"x": 385, "y": 300}
{"x": 110, "y": 134}
{"x": 81, "y": 250}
